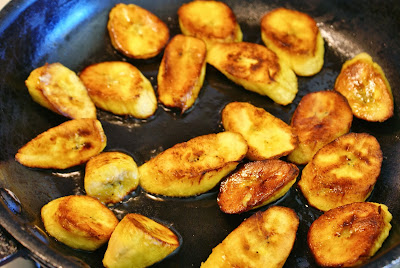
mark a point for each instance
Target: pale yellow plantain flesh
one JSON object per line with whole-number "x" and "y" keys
{"x": 319, "y": 118}
{"x": 256, "y": 68}
{"x": 266, "y": 135}
{"x": 79, "y": 221}
{"x": 366, "y": 88}
{"x": 294, "y": 36}
{"x": 138, "y": 241}
{"x": 256, "y": 184}
{"x": 263, "y": 240}
{"x": 110, "y": 176}
{"x": 342, "y": 172}
{"x": 136, "y": 32}
{"x": 182, "y": 71}
{"x": 59, "y": 89}
{"x": 349, "y": 235}
{"x": 120, "y": 88}
{"x": 211, "y": 21}
{"x": 193, "y": 167}
{"x": 69, "y": 144}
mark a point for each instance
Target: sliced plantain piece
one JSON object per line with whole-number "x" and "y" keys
{"x": 181, "y": 73}
{"x": 120, "y": 88}
{"x": 319, "y": 118}
{"x": 59, "y": 89}
{"x": 256, "y": 68}
{"x": 69, "y": 144}
{"x": 193, "y": 167}
{"x": 136, "y": 32}
{"x": 342, "y": 172}
{"x": 366, "y": 88}
{"x": 263, "y": 240}
{"x": 256, "y": 184}
{"x": 79, "y": 221}
{"x": 110, "y": 176}
{"x": 138, "y": 241}
{"x": 211, "y": 21}
{"x": 349, "y": 235}
{"x": 266, "y": 135}
{"x": 295, "y": 37}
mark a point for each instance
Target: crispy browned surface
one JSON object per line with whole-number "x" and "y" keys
{"x": 348, "y": 235}
{"x": 193, "y": 167}
{"x": 136, "y": 32}
{"x": 263, "y": 240}
{"x": 181, "y": 73}
{"x": 69, "y": 144}
{"x": 119, "y": 87}
{"x": 319, "y": 118}
{"x": 342, "y": 172}
{"x": 139, "y": 241}
{"x": 212, "y": 21}
{"x": 266, "y": 135}
{"x": 78, "y": 221}
{"x": 256, "y": 184}
{"x": 366, "y": 88}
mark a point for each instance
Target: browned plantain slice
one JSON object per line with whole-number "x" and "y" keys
{"x": 295, "y": 37}
{"x": 319, "y": 118}
{"x": 110, "y": 176}
{"x": 120, "y": 88}
{"x": 266, "y": 135}
{"x": 211, "y": 21}
{"x": 366, "y": 88}
{"x": 59, "y": 89}
{"x": 193, "y": 167}
{"x": 342, "y": 172}
{"x": 79, "y": 221}
{"x": 347, "y": 236}
{"x": 256, "y": 184}
{"x": 182, "y": 72}
{"x": 72, "y": 143}
{"x": 136, "y": 32}
{"x": 256, "y": 68}
{"x": 138, "y": 241}
{"x": 263, "y": 240}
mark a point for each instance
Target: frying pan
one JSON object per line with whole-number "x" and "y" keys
{"x": 73, "y": 32}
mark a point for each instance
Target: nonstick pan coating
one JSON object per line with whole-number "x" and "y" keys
{"x": 74, "y": 33}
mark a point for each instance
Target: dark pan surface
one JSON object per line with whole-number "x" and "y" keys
{"x": 73, "y": 32}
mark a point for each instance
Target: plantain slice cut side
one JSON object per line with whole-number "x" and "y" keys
{"x": 348, "y": 235}
{"x": 366, "y": 88}
{"x": 342, "y": 172}
{"x": 256, "y": 184}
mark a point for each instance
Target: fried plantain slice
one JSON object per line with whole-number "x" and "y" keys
{"x": 256, "y": 184}
{"x": 347, "y": 236}
{"x": 256, "y": 68}
{"x": 136, "y": 32}
{"x": 110, "y": 176}
{"x": 295, "y": 37}
{"x": 139, "y": 241}
{"x": 182, "y": 71}
{"x": 193, "y": 167}
{"x": 319, "y": 118}
{"x": 60, "y": 90}
{"x": 69, "y": 144}
{"x": 266, "y": 135}
{"x": 211, "y": 21}
{"x": 263, "y": 240}
{"x": 120, "y": 88}
{"x": 342, "y": 172}
{"x": 79, "y": 221}
{"x": 366, "y": 88}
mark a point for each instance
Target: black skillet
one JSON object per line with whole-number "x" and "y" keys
{"x": 73, "y": 32}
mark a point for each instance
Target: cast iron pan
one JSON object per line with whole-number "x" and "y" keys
{"x": 74, "y": 33}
